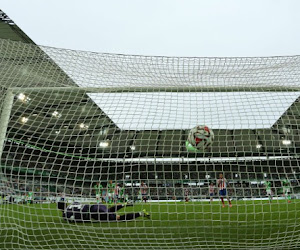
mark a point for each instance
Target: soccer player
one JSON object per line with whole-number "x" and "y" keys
{"x": 211, "y": 192}
{"x": 222, "y": 185}
{"x": 268, "y": 185}
{"x": 62, "y": 196}
{"x": 122, "y": 194}
{"x": 144, "y": 191}
{"x": 61, "y": 203}
{"x": 110, "y": 191}
{"x": 286, "y": 188}
{"x": 77, "y": 212}
{"x": 126, "y": 197}
{"x": 186, "y": 194}
{"x": 139, "y": 196}
{"x": 98, "y": 189}
{"x": 30, "y": 197}
{"x": 116, "y": 193}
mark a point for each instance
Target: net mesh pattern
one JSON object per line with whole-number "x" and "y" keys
{"x": 74, "y": 120}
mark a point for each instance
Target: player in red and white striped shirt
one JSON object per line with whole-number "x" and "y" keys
{"x": 144, "y": 191}
{"x": 186, "y": 194}
{"x": 222, "y": 185}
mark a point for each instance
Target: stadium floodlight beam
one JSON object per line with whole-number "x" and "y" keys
{"x": 83, "y": 126}
{"x": 22, "y": 97}
{"x": 56, "y": 114}
{"x": 104, "y": 144}
{"x": 24, "y": 119}
{"x": 286, "y": 142}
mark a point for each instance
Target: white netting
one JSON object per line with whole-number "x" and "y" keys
{"x": 72, "y": 119}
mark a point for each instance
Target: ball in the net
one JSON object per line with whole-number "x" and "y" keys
{"x": 201, "y": 137}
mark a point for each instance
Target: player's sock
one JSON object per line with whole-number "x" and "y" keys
{"x": 131, "y": 216}
{"x": 222, "y": 199}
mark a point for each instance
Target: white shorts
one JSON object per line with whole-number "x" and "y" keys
{"x": 286, "y": 190}
{"x": 110, "y": 194}
{"x": 98, "y": 196}
{"x": 269, "y": 192}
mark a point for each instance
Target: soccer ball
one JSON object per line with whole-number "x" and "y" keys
{"x": 200, "y": 137}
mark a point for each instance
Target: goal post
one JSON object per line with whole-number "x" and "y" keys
{"x": 105, "y": 129}
{"x": 6, "y": 107}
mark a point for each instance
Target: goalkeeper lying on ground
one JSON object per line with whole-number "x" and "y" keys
{"x": 77, "y": 212}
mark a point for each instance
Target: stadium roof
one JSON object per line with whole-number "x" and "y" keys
{"x": 9, "y": 30}
{"x": 217, "y": 110}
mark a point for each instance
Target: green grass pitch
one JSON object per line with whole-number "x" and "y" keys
{"x": 248, "y": 224}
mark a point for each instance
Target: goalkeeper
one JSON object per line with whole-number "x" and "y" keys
{"x": 77, "y": 212}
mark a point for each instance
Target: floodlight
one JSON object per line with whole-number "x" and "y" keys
{"x": 83, "y": 126}
{"x": 24, "y": 119}
{"x": 286, "y": 142}
{"x": 56, "y": 114}
{"x": 104, "y": 144}
{"x": 22, "y": 97}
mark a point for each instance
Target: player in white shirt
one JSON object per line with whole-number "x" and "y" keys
{"x": 222, "y": 185}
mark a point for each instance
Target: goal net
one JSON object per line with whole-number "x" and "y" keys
{"x": 106, "y": 129}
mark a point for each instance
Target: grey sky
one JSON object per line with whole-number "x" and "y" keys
{"x": 163, "y": 27}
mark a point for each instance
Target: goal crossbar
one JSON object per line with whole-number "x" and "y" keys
{"x": 161, "y": 89}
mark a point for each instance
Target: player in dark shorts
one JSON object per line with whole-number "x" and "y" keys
{"x": 77, "y": 212}
{"x": 144, "y": 191}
